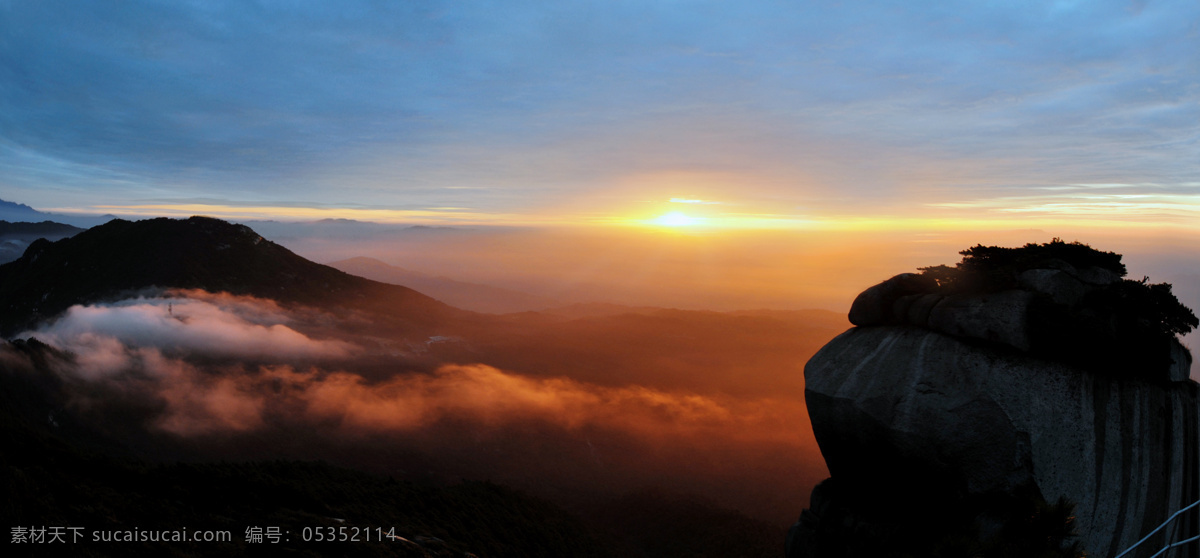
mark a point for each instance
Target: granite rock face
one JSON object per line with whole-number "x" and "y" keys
{"x": 952, "y": 398}
{"x": 908, "y": 299}
{"x": 898, "y": 404}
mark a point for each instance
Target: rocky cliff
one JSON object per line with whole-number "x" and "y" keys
{"x": 938, "y": 408}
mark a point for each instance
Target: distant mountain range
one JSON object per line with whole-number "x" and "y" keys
{"x": 16, "y": 237}
{"x": 470, "y": 296}
{"x": 19, "y": 212}
{"x": 7, "y": 207}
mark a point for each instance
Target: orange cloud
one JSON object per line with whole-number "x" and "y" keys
{"x": 225, "y": 372}
{"x": 490, "y": 396}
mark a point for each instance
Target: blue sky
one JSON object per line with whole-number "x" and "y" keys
{"x": 577, "y": 111}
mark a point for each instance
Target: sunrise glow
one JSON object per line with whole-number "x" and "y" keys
{"x": 676, "y": 219}
{"x": 566, "y": 264}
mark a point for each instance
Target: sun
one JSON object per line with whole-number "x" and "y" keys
{"x": 676, "y": 219}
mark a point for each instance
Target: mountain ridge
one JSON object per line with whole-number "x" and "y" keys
{"x": 19, "y": 212}
{"x": 15, "y": 237}
{"x": 123, "y": 257}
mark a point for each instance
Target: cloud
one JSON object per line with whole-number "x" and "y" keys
{"x": 107, "y": 338}
{"x": 198, "y": 402}
{"x": 492, "y": 397}
{"x": 221, "y": 362}
{"x": 237, "y": 377}
{"x": 218, "y": 399}
{"x": 553, "y": 103}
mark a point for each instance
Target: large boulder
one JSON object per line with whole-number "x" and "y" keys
{"x": 1052, "y": 314}
{"x": 1002, "y": 317}
{"x": 912, "y": 299}
{"x": 990, "y": 408}
{"x": 1060, "y": 286}
{"x": 875, "y": 305}
{"x": 902, "y": 411}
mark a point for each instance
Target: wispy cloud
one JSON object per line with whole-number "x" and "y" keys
{"x": 836, "y": 107}
{"x": 1147, "y": 203}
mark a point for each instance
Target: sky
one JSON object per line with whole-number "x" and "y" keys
{"x": 781, "y": 115}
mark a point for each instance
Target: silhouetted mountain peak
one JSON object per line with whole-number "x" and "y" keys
{"x": 13, "y": 206}
{"x": 119, "y": 257}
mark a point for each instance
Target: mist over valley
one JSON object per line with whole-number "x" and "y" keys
{"x": 199, "y": 341}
